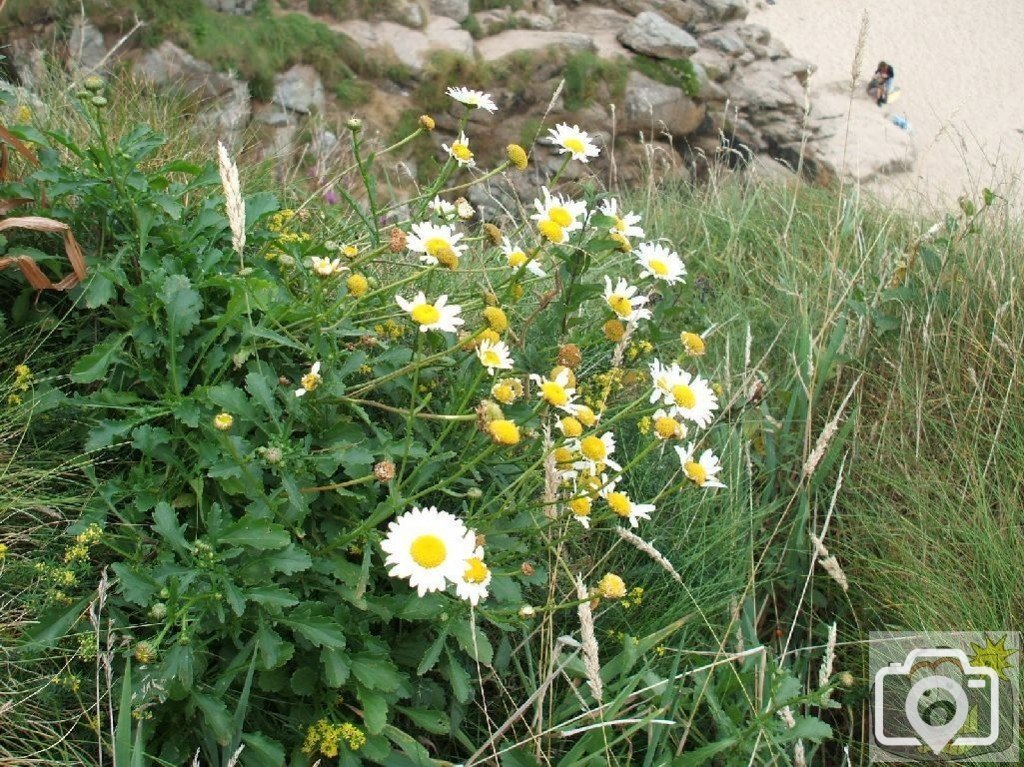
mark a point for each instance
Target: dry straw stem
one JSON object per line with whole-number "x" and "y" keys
{"x": 233, "y": 202}
{"x": 649, "y": 550}
{"x": 825, "y": 438}
{"x": 591, "y": 659}
{"x": 35, "y": 276}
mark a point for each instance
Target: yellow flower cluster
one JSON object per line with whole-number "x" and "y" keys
{"x": 22, "y": 382}
{"x": 325, "y": 738}
{"x": 389, "y": 330}
{"x": 279, "y": 224}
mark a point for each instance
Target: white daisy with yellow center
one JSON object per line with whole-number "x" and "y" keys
{"x": 623, "y": 505}
{"x": 476, "y": 577}
{"x": 432, "y": 316}
{"x": 655, "y": 260}
{"x": 691, "y": 398}
{"x": 460, "y": 151}
{"x": 667, "y": 426}
{"x": 624, "y": 301}
{"x": 310, "y": 381}
{"x": 595, "y": 452}
{"x": 494, "y": 356}
{"x": 429, "y": 548}
{"x": 580, "y": 507}
{"x": 663, "y": 377}
{"x": 625, "y": 225}
{"x": 473, "y": 99}
{"x": 516, "y": 258}
{"x": 557, "y": 216}
{"x": 701, "y": 471}
{"x": 443, "y": 209}
{"x": 574, "y": 141}
{"x": 327, "y": 267}
{"x": 556, "y": 391}
{"x": 436, "y": 243}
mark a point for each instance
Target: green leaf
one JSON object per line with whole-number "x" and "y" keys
{"x": 518, "y": 757}
{"x": 289, "y": 560}
{"x": 179, "y": 665}
{"x": 216, "y": 715}
{"x": 430, "y": 720}
{"x": 261, "y": 751}
{"x": 432, "y": 654}
{"x": 473, "y": 641}
{"x": 257, "y": 206}
{"x": 375, "y": 709}
{"x": 93, "y": 366}
{"x": 99, "y": 291}
{"x": 376, "y": 673}
{"x": 256, "y": 533}
{"x": 810, "y": 728}
{"x": 272, "y": 648}
{"x": 303, "y": 681}
{"x": 182, "y": 303}
{"x": 459, "y": 679}
{"x": 165, "y": 522}
{"x": 271, "y": 596}
{"x": 336, "y": 667}
{"x": 123, "y": 729}
{"x": 260, "y": 389}
{"x": 321, "y": 630}
{"x": 56, "y": 623}
{"x": 233, "y": 400}
{"x": 135, "y": 587}
{"x": 106, "y": 432}
{"x": 704, "y": 754}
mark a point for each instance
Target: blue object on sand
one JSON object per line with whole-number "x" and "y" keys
{"x": 901, "y": 122}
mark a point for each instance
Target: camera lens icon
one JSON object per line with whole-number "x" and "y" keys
{"x": 935, "y": 705}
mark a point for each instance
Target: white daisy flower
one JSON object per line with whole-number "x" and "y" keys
{"x": 474, "y": 99}
{"x": 460, "y": 151}
{"x": 557, "y": 392}
{"x": 310, "y": 381}
{"x": 574, "y": 141}
{"x": 516, "y": 258}
{"x": 622, "y": 505}
{"x": 661, "y": 263}
{"x": 667, "y": 426}
{"x": 437, "y": 243}
{"x": 626, "y": 225}
{"x": 596, "y": 452}
{"x": 702, "y": 471}
{"x": 494, "y": 356}
{"x": 432, "y": 316}
{"x": 442, "y": 209}
{"x": 429, "y": 548}
{"x": 475, "y": 578}
{"x": 691, "y": 398}
{"x": 558, "y": 216}
{"x": 624, "y": 301}
{"x": 580, "y": 508}
{"x": 327, "y": 267}
{"x": 663, "y": 378}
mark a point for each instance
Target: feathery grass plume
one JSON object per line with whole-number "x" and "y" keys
{"x": 233, "y": 202}
{"x": 825, "y": 438}
{"x": 825, "y": 672}
{"x": 591, "y": 659}
{"x": 649, "y": 550}
{"x": 830, "y": 563}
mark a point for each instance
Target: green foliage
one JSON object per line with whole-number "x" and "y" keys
{"x": 586, "y": 74}
{"x": 676, "y": 72}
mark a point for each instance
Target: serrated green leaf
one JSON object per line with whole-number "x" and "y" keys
{"x": 165, "y": 522}
{"x": 375, "y": 709}
{"x": 432, "y": 654}
{"x": 216, "y": 716}
{"x": 261, "y": 751}
{"x": 137, "y": 588}
{"x": 182, "y": 303}
{"x": 473, "y": 641}
{"x": 271, "y": 596}
{"x": 336, "y": 667}
{"x": 94, "y": 365}
{"x": 256, "y": 533}
{"x": 376, "y": 673}
{"x": 430, "y": 720}
{"x": 321, "y": 630}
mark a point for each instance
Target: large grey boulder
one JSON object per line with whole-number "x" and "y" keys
{"x": 409, "y": 13}
{"x": 725, "y": 10}
{"x": 763, "y": 87}
{"x": 234, "y": 7}
{"x": 225, "y": 101}
{"x": 523, "y": 40}
{"x": 453, "y": 9}
{"x": 654, "y": 107}
{"x": 651, "y": 34}
{"x": 410, "y": 47}
{"x": 86, "y": 47}
{"x": 300, "y": 89}
{"x": 717, "y": 65}
{"x": 679, "y": 11}
{"x": 726, "y": 41}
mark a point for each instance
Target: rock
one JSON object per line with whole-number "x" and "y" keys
{"x": 527, "y": 41}
{"x": 725, "y": 10}
{"x": 753, "y": 33}
{"x": 651, "y": 34}
{"x": 798, "y": 68}
{"x": 410, "y": 47}
{"x": 679, "y": 11}
{"x": 225, "y": 100}
{"x": 652, "y": 106}
{"x": 527, "y": 20}
{"x": 29, "y": 61}
{"x": 709, "y": 89}
{"x": 769, "y": 169}
{"x": 86, "y": 48}
{"x": 453, "y": 9}
{"x": 300, "y": 89}
{"x": 717, "y": 65}
{"x": 765, "y": 86}
{"x": 726, "y": 41}
{"x": 493, "y": 22}
{"x": 408, "y": 13}
{"x": 234, "y": 7}
{"x": 603, "y": 25}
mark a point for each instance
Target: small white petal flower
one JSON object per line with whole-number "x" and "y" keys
{"x": 460, "y": 151}
{"x": 432, "y": 316}
{"x": 516, "y": 258}
{"x": 327, "y": 267}
{"x": 436, "y": 243}
{"x": 702, "y": 472}
{"x": 655, "y": 260}
{"x": 574, "y": 141}
{"x": 310, "y": 381}
{"x": 558, "y": 216}
{"x": 557, "y": 392}
{"x": 626, "y": 225}
{"x": 475, "y": 578}
{"x": 624, "y": 301}
{"x": 667, "y": 426}
{"x": 474, "y": 99}
{"x": 494, "y": 356}
{"x": 442, "y": 209}
{"x": 595, "y": 451}
{"x": 624, "y": 506}
{"x": 429, "y": 548}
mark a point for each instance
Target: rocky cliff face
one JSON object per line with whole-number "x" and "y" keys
{"x": 667, "y": 85}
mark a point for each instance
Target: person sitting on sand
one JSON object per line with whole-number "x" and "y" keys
{"x": 881, "y": 83}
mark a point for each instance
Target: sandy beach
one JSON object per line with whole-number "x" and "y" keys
{"x": 958, "y": 66}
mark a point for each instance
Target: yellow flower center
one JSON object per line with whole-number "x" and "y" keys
{"x": 612, "y": 586}
{"x": 666, "y": 427}
{"x": 503, "y": 393}
{"x": 684, "y": 396}
{"x": 563, "y": 456}
{"x": 438, "y": 247}
{"x": 561, "y": 216}
{"x": 696, "y": 472}
{"x": 620, "y": 225}
{"x": 490, "y": 358}
{"x": 357, "y": 285}
{"x": 693, "y": 343}
{"x": 622, "y": 240}
{"x": 554, "y": 392}
{"x": 476, "y": 571}
{"x": 619, "y": 503}
{"x": 658, "y": 267}
{"x": 551, "y": 231}
{"x": 574, "y": 145}
{"x": 586, "y": 416}
{"x": 620, "y": 305}
{"x": 504, "y": 432}
{"x": 461, "y": 152}
{"x": 310, "y": 381}
{"x": 425, "y": 314}
{"x": 580, "y": 506}
{"x": 496, "y": 319}
{"x": 571, "y": 427}
{"x": 428, "y": 551}
{"x": 517, "y": 258}
{"x": 593, "y": 448}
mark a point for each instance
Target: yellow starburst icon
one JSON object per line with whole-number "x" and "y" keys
{"x": 994, "y": 655}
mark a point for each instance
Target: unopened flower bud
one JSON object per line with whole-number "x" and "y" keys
{"x": 397, "y": 240}
{"x": 384, "y": 471}
{"x": 517, "y": 156}
{"x": 427, "y": 122}
{"x": 526, "y": 612}
{"x": 492, "y": 233}
{"x": 354, "y": 124}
